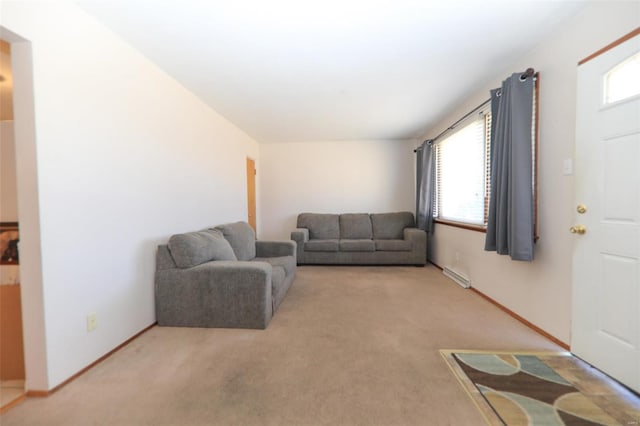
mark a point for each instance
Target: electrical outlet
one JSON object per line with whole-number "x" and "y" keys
{"x": 92, "y": 321}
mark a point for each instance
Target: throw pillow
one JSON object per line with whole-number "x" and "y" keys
{"x": 241, "y": 237}
{"x": 195, "y": 248}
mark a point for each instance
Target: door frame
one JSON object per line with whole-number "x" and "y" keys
{"x": 251, "y": 193}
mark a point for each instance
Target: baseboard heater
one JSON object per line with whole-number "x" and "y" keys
{"x": 463, "y": 281}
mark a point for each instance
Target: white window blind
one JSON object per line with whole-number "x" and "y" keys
{"x": 461, "y": 174}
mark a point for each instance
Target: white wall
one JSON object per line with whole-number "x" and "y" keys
{"x": 333, "y": 177}
{"x": 125, "y": 157}
{"x": 541, "y": 291}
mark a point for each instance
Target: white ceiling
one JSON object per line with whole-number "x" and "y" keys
{"x": 295, "y": 70}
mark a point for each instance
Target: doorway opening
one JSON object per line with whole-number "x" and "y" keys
{"x": 12, "y": 368}
{"x": 251, "y": 193}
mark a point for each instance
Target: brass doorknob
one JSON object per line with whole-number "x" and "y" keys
{"x": 578, "y": 229}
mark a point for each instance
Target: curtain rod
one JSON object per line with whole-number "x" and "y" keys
{"x": 528, "y": 73}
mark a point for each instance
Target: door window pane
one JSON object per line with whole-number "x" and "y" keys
{"x": 623, "y": 81}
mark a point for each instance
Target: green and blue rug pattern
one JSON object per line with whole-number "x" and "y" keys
{"x": 523, "y": 390}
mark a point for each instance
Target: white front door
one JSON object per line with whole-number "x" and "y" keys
{"x": 606, "y": 264}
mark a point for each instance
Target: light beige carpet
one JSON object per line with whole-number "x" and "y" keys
{"x": 348, "y": 346}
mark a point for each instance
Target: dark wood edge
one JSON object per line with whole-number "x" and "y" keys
{"x": 38, "y": 393}
{"x": 516, "y": 316}
{"x": 611, "y": 45}
{"x": 477, "y": 228}
{"x": 12, "y": 403}
{"x": 522, "y": 320}
{"x": 481, "y": 228}
{"x": 45, "y": 393}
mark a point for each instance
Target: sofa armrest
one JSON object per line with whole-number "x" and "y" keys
{"x": 231, "y": 294}
{"x": 275, "y": 248}
{"x": 415, "y": 234}
{"x": 300, "y": 236}
{"x": 418, "y": 238}
{"x": 164, "y": 260}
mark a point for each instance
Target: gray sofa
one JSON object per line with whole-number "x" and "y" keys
{"x": 222, "y": 277}
{"x": 359, "y": 239}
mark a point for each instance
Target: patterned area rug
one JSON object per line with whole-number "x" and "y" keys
{"x": 541, "y": 389}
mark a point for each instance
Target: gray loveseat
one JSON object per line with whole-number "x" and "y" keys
{"x": 359, "y": 239}
{"x": 222, "y": 277}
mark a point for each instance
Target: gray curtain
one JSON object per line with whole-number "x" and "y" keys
{"x": 510, "y": 227}
{"x": 424, "y": 187}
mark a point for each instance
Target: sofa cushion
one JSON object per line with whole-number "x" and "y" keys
{"x": 241, "y": 237}
{"x": 287, "y": 262}
{"x": 391, "y": 226}
{"x": 321, "y": 245}
{"x": 320, "y": 226}
{"x": 357, "y": 245}
{"x": 194, "y": 248}
{"x": 355, "y": 226}
{"x": 393, "y": 245}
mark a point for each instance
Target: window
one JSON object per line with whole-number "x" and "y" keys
{"x": 460, "y": 174}
{"x": 622, "y": 82}
{"x": 463, "y": 171}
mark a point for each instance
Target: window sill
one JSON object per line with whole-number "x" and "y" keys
{"x": 470, "y": 227}
{"x": 467, "y": 226}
